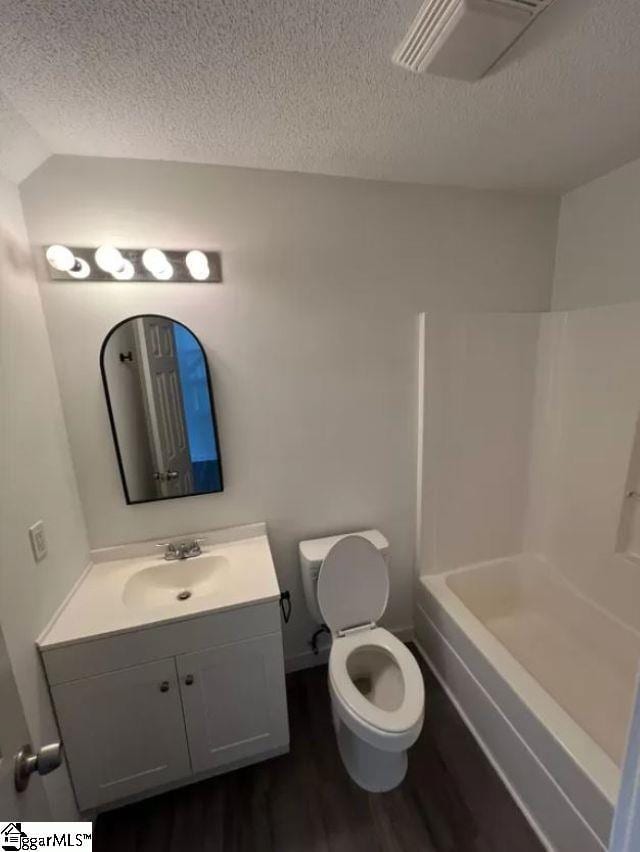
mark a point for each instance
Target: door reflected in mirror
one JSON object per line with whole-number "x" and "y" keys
{"x": 160, "y": 403}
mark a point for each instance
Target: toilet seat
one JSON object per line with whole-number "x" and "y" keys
{"x": 353, "y": 588}
{"x": 353, "y": 584}
{"x": 410, "y": 712}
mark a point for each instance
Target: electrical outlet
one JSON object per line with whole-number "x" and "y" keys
{"x": 38, "y": 541}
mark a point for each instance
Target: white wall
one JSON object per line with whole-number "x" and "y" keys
{"x": 37, "y": 483}
{"x": 311, "y": 338}
{"x": 598, "y": 255}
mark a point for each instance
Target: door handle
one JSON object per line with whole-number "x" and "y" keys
{"x": 44, "y": 761}
{"x": 189, "y": 679}
{"x": 159, "y": 476}
{"x": 164, "y": 686}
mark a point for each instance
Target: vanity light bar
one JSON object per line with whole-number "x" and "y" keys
{"x": 108, "y": 263}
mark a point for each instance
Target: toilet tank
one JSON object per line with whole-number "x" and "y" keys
{"x": 312, "y": 553}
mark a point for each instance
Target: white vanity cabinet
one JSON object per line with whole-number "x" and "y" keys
{"x": 123, "y": 732}
{"x": 148, "y": 709}
{"x": 234, "y": 701}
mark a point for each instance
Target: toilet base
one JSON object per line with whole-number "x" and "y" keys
{"x": 371, "y": 768}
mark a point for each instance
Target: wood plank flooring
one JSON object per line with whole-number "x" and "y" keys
{"x": 450, "y": 801}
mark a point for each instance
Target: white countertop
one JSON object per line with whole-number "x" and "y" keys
{"x": 95, "y": 607}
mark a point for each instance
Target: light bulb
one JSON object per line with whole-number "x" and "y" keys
{"x": 198, "y": 265}
{"x": 83, "y": 269}
{"x": 156, "y": 262}
{"x": 110, "y": 260}
{"x": 61, "y": 258}
{"x": 125, "y": 273}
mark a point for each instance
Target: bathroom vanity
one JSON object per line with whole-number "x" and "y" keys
{"x": 162, "y": 673}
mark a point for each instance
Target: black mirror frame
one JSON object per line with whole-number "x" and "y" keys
{"x": 112, "y": 421}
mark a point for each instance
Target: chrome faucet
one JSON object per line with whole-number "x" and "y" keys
{"x": 181, "y": 549}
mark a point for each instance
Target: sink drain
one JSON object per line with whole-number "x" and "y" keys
{"x": 184, "y": 596}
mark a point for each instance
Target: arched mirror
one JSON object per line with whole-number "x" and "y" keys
{"x": 160, "y": 403}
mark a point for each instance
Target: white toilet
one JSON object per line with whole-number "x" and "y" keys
{"x": 376, "y": 687}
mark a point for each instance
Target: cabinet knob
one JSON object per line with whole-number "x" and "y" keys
{"x": 189, "y": 680}
{"x": 164, "y": 686}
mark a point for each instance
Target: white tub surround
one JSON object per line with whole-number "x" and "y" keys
{"x": 526, "y": 446}
{"x": 154, "y": 690}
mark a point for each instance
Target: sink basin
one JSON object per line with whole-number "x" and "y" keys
{"x": 129, "y": 587}
{"x": 175, "y": 582}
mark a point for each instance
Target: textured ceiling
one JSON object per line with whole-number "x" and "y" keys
{"x": 308, "y": 85}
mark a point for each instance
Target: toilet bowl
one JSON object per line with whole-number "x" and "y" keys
{"x": 375, "y": 684}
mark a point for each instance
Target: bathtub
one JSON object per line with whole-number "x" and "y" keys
{"x": 545, "y": 679}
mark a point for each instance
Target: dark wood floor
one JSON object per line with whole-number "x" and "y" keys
{"x": 450, "y": 801}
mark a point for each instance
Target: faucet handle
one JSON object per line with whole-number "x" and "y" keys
{"x": 194, "y": 545}
{"x": 181, "y": 549}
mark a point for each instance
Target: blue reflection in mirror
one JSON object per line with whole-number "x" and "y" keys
{"x": 197, "y": 411}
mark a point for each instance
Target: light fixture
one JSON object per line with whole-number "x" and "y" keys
{"x": 108, "y": 263}
{"x": 64, "y": 260}
{"x": 197, "y": 264}
{"x": 110, "y": 260}
{"x": 156, "y": 262}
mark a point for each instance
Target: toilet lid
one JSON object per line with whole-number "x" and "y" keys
{"x": 353, "y": 584}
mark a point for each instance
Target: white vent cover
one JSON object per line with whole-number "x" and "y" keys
{"x": 464, "y": 38}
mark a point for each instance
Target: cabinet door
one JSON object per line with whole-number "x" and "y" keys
{"x": 123, "y": 732}
{"x": 234, "y": 701}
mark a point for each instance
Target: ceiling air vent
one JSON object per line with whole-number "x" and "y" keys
{"x": 464, "y": 38}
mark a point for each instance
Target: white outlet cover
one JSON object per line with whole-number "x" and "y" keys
{"x": 38, "y": 541}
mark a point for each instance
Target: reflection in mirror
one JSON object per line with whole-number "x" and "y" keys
{"x": 160, "y": 403}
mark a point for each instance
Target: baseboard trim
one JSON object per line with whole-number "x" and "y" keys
{"x": 307, "y": 659}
